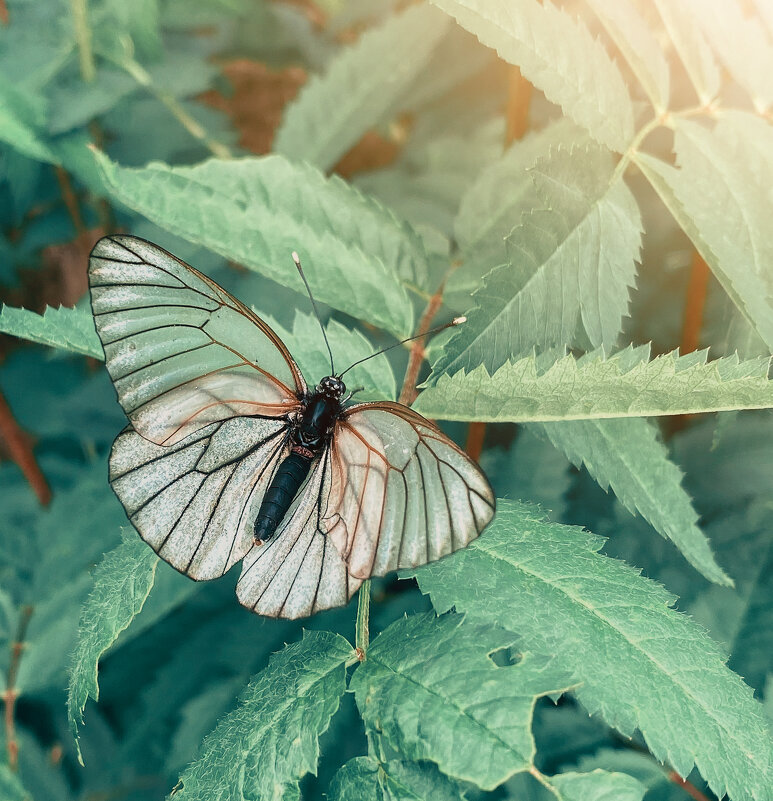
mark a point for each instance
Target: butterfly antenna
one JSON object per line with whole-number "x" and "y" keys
{"x": 297, "y": 260}
{"x": 455, "y": 321}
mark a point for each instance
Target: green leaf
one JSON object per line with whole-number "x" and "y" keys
{"x": 430, "y": 688}
{"x": 265, "y": 746}
{"x": 692, "y": 48}
{"x": 640, "y": 663}
{"x": 21, "y": 117}
{"x": 256, "y": 211}
{"x": 741, "y": 43}
{"x": 599, "y": 785}
{"x": 367, "y": 779}
{"x": 653, "y": 776}
{"x": 559, "y": 56}
{"x": 639, "y": 45}
{"x": 122, "y": 582}
{"x": 363, "y": 83}
{"x": 65, "y": 328}
{"x": 592, "y": 387}
{"x": 627, "y": 455}
{"x": 494, "y": 203}
{"x": 572, "y": 262}
{"x": 348, "y": 345}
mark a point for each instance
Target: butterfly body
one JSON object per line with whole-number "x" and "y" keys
{"x": 226, "y": 444}
{"x": 308, "y": 438}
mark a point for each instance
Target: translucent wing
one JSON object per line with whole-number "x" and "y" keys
{"x": 299, "y": 571}
{"x": 401, "y": 493}
{"x": 182, "y": 353}
{"x": 195, "y": 502}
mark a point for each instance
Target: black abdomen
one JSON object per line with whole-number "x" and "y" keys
{"x": 280, "y": 493}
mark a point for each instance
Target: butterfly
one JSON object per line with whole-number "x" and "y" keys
{"x": 229, "y": 456}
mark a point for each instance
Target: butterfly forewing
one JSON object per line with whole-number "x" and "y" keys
{"x": 181, "y": 351}
{"x": 402, "y": 493}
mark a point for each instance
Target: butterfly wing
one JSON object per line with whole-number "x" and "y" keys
{"x": 299, "y": 571}
{"x": 182, "y": 353}
{"x": 401, "y": 492}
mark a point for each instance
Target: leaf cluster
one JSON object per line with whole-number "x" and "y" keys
{"x": 589, "y": 182}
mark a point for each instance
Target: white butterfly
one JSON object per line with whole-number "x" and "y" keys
{"x": 222, "y": 425}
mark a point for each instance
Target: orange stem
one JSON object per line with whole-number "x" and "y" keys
{"x": 4, "y": 18}
{"x": 696, "y": 301}
{"x": 21, "y": 452}
{"x": 408, "y": 392}
{"x": 689, "y": 788}
{"x": 70, "y": 200}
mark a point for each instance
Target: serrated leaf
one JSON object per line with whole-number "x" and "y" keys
{"x": 639, "y": 46}
{"x": 741, "y": 43}
{"x": 572, "y": 263}
{"x": 348, "y": 345}
{"x": 494, "y": 203}
{"x": 593, "y": 387}
{"x": 256, "y": 211}
{"x": 598, "y": 785}
{"x": 692, "y": 48}
{"x": 367, "y": 779}
{"x": 265, "y": 746}
{"x": 640, "y": 663}
{"x": 122, "y": 583}
{"x": 361, "y": 84}
{"x": 720, "y": 188}
{"x": 559, "y": 56}
{"x": 423, "y": 669}
{"x": 628, "y": 456}
{"x": 65, "y": 328}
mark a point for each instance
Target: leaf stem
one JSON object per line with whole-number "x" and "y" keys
{"x": 10, "y": 694}
{"x": 4, "y": 18}
{"x": 70, "y": 200}
{"x": 544, "y": 781}
{"x": 21, "y": 452}
{"x": 143, "y": 78}
{"x": 362, "y": 626}
{"x": 83, "y": 38}
{"x": 689, "y": 788}
{"x": 408, "y": 392}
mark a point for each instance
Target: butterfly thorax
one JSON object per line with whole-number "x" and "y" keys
{"x": 307, "y": 438}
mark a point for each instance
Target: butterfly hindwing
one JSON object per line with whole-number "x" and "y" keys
{"x": 299, "y": 571}
{"x": 402, "y": 493}
{"x": 182, "y": 353}
{"x": 195, "y": 502}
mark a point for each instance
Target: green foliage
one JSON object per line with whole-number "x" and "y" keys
{"x": 68, "y": 329}
{"x": 550, "y": 170}
{"x": 122, "y": 583}
{"x": 360, "y": 86}
{"x": 548, "y": 582}
{"x": 270, "y": 741}
{"x": 482, "y": 712}
{"x": 592, "y": 387}
{"x": 559, "y": 56}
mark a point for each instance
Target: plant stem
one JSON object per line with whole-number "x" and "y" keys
{"x": 689, "y": 788}
{"x": 408, "y": 392}
{"x": 70, "y": 201}
{"x": 362, "y": 626}
{"x": 141, "y": 75}
{"x": 9, "y": 696}
{"x": 544, "y": 781}
{"x": 21, "y": 452}
{"x": 695, "y": 302}
{"x": 83, "y": 38}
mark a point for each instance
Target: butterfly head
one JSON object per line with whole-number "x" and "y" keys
{"x": 332, "y": 387}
